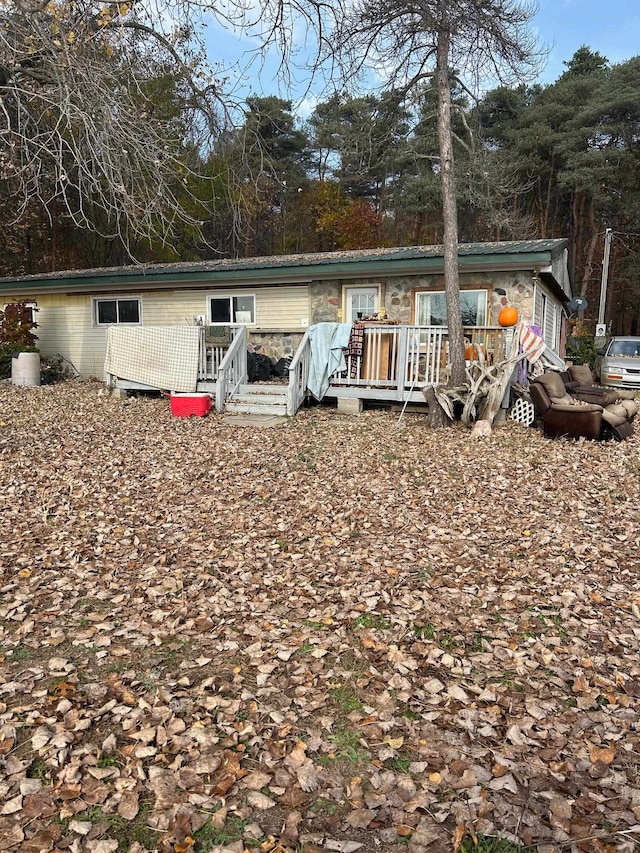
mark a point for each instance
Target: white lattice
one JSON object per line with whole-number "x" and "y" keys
{"x": 523, "y": 412}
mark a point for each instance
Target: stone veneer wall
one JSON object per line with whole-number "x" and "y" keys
{"x": 275, "y": 344}
{"x": 397, "y": 293}
{"x": 326, "y": 300}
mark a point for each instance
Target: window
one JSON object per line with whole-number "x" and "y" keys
{"x": 360, "y": 302}
{"x": 224, "y": 310}
{"x": 109, "y": 311}
{"x": 431, "y": 308}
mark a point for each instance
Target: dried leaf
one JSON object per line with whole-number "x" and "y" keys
{"x": 128, "y": 806}
{"x": 365, "y": 649}
{"x": 603, "y": 754}
{"x": 12, "y": 806}
{"x": 259, "y": 801}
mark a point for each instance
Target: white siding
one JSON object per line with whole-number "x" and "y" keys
{"x": 548, "y": 315}
{"x": 538, "y": 314}
{"x": 282, "y": 307}
{"x": 171, "y": 307}
{"x": 552, "y": 325}
{"x": 65, "y": 328}
{"x": 66, "y": 323}
{"x": 276, "y": 307}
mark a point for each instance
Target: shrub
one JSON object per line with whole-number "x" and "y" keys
{"x": 16, "y": 333}
{"x": 55, "y": 368}
{"x": 16, "y": 326}
{"x": 582, "y": 351}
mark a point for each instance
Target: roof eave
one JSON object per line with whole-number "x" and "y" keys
{"x": 304, "y": 273}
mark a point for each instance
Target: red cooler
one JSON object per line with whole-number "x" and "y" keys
{"x": 186, "y": 405}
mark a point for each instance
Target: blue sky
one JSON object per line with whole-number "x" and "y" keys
{"x": 611, "y": 27}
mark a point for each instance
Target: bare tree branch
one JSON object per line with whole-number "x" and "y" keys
{"x": 113, "y": 109}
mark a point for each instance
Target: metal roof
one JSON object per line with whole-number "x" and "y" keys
{"x": 286, "y": 267}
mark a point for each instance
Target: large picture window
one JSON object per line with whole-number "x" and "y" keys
{"x": 110, "y": 311}
{"x": 431, "y": 308}
{"x": 240, "y": 310}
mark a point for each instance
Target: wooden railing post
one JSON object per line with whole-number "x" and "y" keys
{"x": 234, "y": 366}
{"x": 298, "y": 375}
{"x": 402, "y": 363}
{"x": 221, "y": 383}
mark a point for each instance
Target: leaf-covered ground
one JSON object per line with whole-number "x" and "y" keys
{"x": 339, "y": 634}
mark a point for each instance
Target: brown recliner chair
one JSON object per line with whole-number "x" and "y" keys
{"x": 581, "y": 377}
{"x": 564, "y": 414}
{"x": 580, "y": 384}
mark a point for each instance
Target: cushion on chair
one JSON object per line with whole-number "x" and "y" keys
{"x": 593, "y": 394}
{"x": 554, "y": 386}
{"x": 613, "y": 416}
{"x": 631, "y": 408}
{"x": 581, "y": 373}
{"x": 617, "y": 409}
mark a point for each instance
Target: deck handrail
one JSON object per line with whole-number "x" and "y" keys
{"x": 299, "y": 375}
{"x": 403, "y": 357}
{"x": 395, "y": 359}
{"x": 232, "y": 371}
{"x": 213, "y": 353}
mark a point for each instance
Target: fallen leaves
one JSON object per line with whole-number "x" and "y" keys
{"x": 332, "y": 636}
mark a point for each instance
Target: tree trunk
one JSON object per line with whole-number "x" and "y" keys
{"x": 591, "y": 251}
{"x": 449, "y": 213}
{"x": 436, "y": 414}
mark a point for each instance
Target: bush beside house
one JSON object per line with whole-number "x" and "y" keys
{"x": 17, "y": 322}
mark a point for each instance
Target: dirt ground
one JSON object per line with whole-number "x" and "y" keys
{"x": 343, "y": 633}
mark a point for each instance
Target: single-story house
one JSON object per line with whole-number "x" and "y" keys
{"x": 278, "y": 298}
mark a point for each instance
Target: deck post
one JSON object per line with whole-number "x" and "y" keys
{"x": 402, "y": 362}
{"x": 221, "y": 389}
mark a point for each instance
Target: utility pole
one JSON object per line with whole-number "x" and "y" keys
{"x": 605, "y": 275}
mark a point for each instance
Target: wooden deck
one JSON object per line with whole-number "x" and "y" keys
{"x": 396, "y": 362}
{"x": 392, "y": 365}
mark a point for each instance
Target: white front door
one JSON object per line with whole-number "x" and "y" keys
{"x": 361, "y": 302}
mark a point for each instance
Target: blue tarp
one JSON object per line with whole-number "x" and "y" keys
{"x": 328, "y": 342}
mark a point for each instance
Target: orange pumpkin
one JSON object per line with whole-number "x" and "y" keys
{"x": 508, "y": 316}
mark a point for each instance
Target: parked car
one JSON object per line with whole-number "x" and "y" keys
{"x": 620, "y": 365}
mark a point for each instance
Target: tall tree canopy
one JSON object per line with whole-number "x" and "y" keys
{"x": 441, "y": 40}
{"x": 576, "y": 143}
{"x": 81, "y": 131}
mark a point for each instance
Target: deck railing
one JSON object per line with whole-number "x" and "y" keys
{"x": 232, "y": 370}
{"x": 396, "y": 359}
{"x": 405, "y": 357}
{"x": 212, "y": 355}
{"x": 298, "y": 375}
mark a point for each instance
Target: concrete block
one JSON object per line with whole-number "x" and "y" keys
{"x": 349, "y": 405}
{"x": 118, "y": 393}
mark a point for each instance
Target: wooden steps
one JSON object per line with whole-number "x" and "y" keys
{"x": 259, "y": 400}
